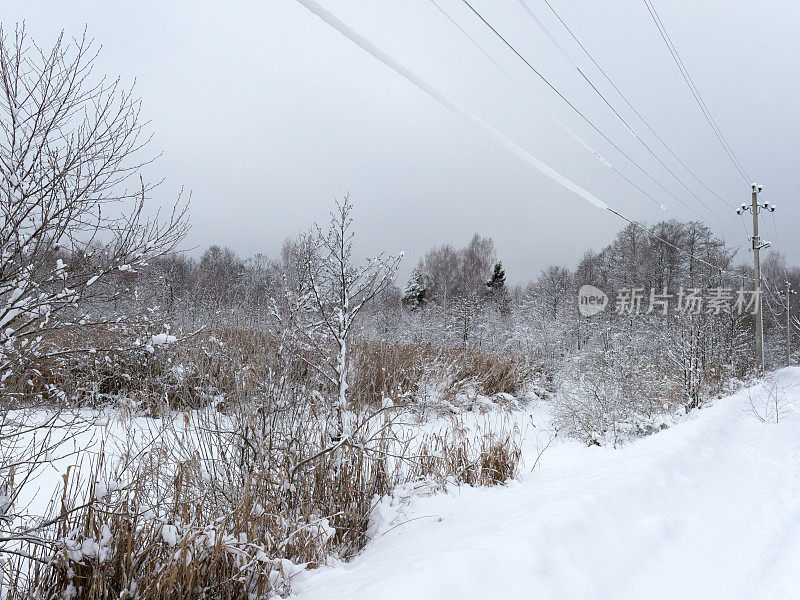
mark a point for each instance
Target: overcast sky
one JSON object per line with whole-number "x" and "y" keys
{"x": 267, "y": 114}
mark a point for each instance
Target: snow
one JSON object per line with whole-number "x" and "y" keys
{"x": 162, "y": 338}
{"x": 103, "y": 488}
{"x": 169, "y": 533}
{"x": 709, "y": 508}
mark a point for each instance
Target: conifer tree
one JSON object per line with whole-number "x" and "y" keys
{"x": 415, "y": 291}
{"x": 497, "y": 289}
{"x": 497, "y": 283}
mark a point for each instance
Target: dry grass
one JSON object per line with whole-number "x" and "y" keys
{"x": 251, "y": 487}
{"x": 401, "y": 370}
{"x": 214, "y": 509}
{"x": 491, "y": 456}
{"x": 231, "y": 363}
{"x": 197, "y": 517}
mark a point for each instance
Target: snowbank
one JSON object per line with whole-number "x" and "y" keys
{"x": 707, "y": 509}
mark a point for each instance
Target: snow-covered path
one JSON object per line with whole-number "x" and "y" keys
{"x": 709, "y": 508}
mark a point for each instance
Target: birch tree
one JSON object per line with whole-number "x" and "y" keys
{"x": 337, "y": 292}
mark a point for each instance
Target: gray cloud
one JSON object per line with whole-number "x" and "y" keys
{"x": 267, "y": 114}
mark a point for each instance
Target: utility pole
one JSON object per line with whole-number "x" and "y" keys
{"x": 789, "y": 292}
{"x": 755, "y": 208}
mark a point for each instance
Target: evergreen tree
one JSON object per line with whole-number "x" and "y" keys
{"x": 415, "y": 292}
{"x": 497, "y": 289}
{"x": 497, "y": 284}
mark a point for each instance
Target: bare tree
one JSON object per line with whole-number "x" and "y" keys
{"x": 451, "y": 273}
{"x": 336, "y": 293}
{"x": 72, "y": 227}
{"x": 476, "y": 261}
{"x": 72, "y": 194}
{"x": 441, "y": 273}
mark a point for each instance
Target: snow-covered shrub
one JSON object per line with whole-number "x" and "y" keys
{"x": 232, "y": 504}
{"x": 127, "y": 545}
{"x": 73, "y": 219}
{"x": 610, "y": 394}
{"x": 221, "y": 504}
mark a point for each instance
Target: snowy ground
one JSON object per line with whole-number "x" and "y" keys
{"x": 709, "y": 508}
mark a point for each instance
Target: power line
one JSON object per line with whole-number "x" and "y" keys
{"x": 451, "y": 105}
{"x": 624, "y": 98}
{"x": 566, "y": 128}
{"x": 561, "y": 123}
{"x": 670, "y": 244}
{"x": 622, "y": 119}
{"x": 771, "y": 296}
{"x": 777, "y": 242}
{"x": 693, "y": 88}
{"x": 774, "y": 228}
{"x": 580, "y": 113}
{"x": 632, "y": 107}
{"x": 403, "y": 71}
